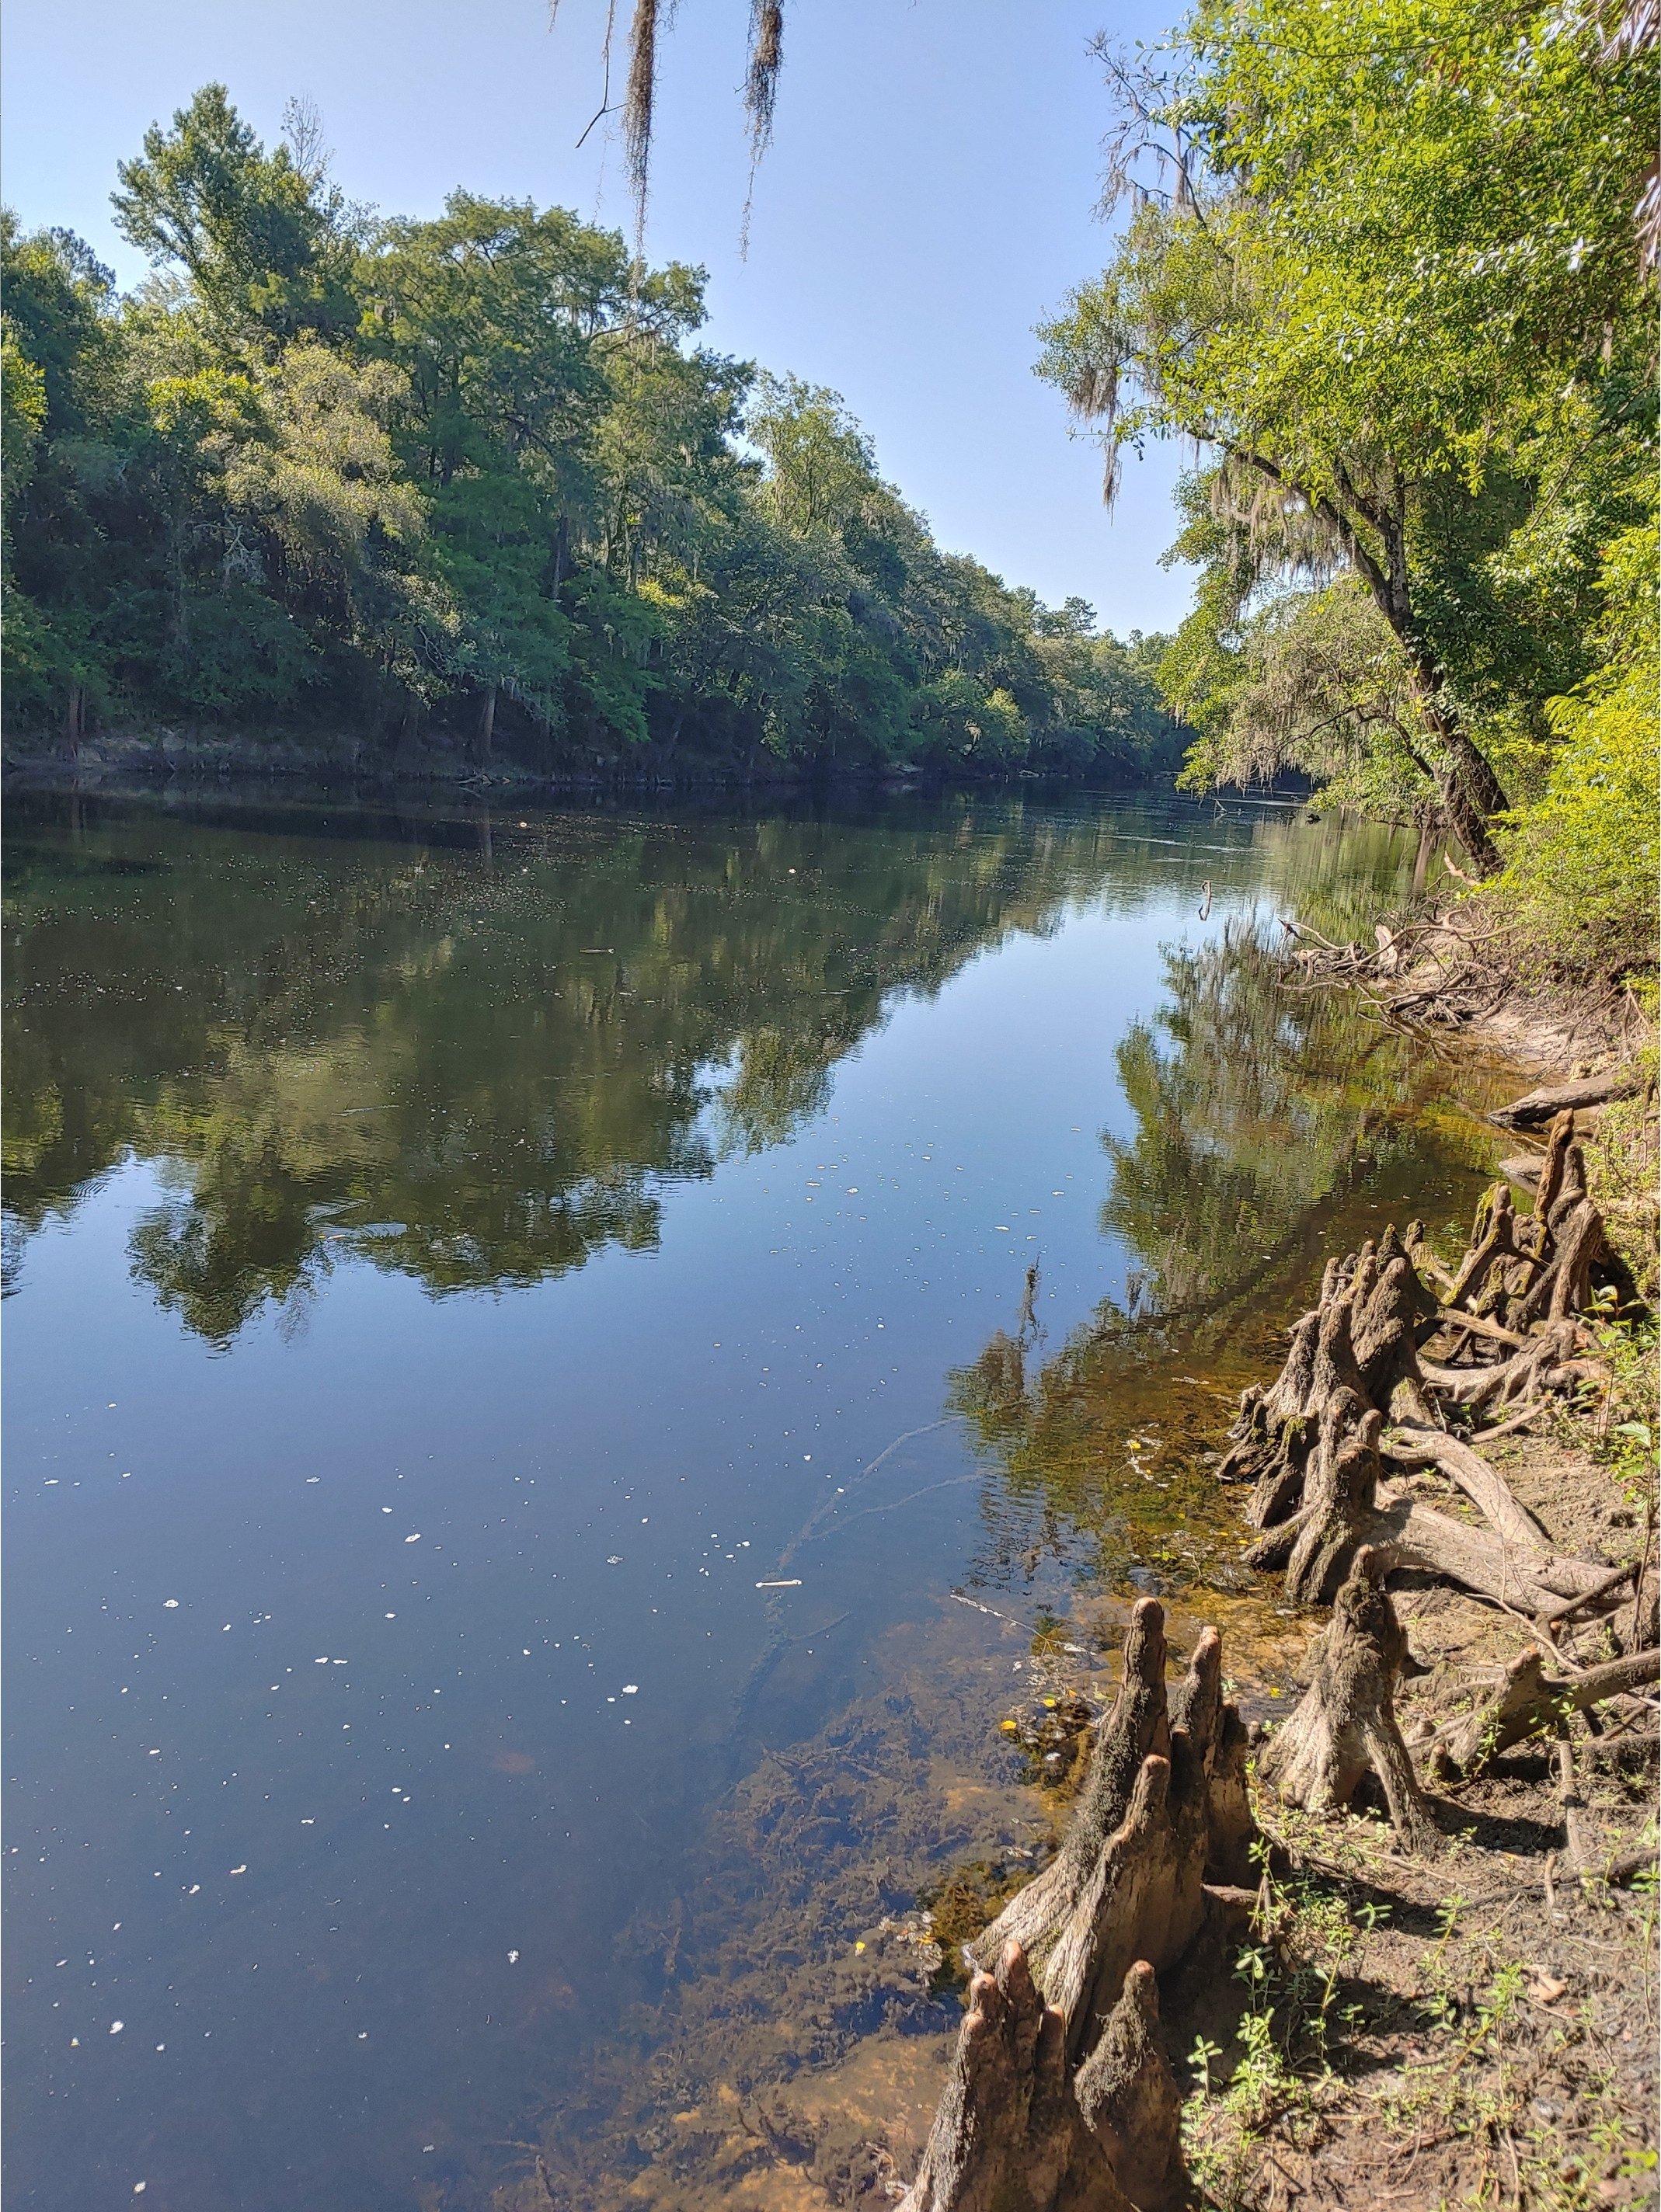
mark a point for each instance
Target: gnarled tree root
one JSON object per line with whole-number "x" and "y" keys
{"x": 1311, "y": 1442}
{"x": 1344, "y": 1727}
{"x": 1062, "y": 2095}
{"x": 1529, "y": 1702}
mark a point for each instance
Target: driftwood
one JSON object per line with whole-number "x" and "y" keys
{"x": 1314, "y": 1444}
{"x": 1529, "y": 1702}
{"x": 1061, "y": 2097}
{"x": 1344, "y": 1726}
{"x": 1540, "y": 1106}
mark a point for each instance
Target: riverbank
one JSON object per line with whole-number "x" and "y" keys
{"x": 1594, "y": 1040}
{"x": 146, "y": 758}
{"x": 134, "y": 763}
{"x": 1457, "y": 2003}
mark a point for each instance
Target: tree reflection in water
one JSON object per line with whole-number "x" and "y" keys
{"x": 1273, "y": 1125}
{"x": 469, "y": 1050}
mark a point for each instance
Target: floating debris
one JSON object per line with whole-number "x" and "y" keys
{"x": 795, "y": 1584}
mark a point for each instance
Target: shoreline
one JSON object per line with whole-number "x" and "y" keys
{"x": 1467, "y": 2004}
{"x": 146, "y": 761}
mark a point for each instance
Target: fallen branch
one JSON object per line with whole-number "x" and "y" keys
{"x": 1539, "y": 1106}
{"x": 1528, "y": 1702}
{"x": 1612, "y": 1581}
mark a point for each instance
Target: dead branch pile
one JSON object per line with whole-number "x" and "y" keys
{"x": 1061, "y": 2098}
{"x": 1457, "y": 966}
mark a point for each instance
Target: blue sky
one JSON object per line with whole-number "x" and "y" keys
{"x": 929, "y": 196}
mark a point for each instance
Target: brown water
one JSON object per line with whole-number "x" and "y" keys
{"x": 530, "y": 1489}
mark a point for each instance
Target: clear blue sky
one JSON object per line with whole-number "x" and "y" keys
{"x": 928, "y": 197}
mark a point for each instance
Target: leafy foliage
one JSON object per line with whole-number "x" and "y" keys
{"x": 1382, "y": 267}
{"x": 474, "y": 479}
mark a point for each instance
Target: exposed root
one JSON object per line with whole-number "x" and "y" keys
{"x": 1345, "y": 1726}
{"x": 1062, "y": 2094}
{"x": 1312, "y": 1444}
{"x": 1529, "y": 1702}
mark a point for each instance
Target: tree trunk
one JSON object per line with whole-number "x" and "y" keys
{"x": 1421, "y": 858}
{"x": 1472, "y": 793}
{"x": 487, "y": 723}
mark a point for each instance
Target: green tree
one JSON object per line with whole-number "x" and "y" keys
{"x": 1391, "y": 282}
{"x": 260, "y": 236}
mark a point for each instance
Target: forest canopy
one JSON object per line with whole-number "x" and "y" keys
{"x": 1389, "y": 270}
{"x": 476, "y": 478}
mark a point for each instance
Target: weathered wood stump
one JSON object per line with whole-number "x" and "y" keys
{"x": 1009, "y": 2136}
{"x": 1344, "y": 1726}
{"x": 1062, "y": 2095}
{"x": 1131, "y": 2101}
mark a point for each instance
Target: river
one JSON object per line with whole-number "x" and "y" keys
{"x": 530, "y": 1486}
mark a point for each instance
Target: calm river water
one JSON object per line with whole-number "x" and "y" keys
{"x": 530, "y": 1488}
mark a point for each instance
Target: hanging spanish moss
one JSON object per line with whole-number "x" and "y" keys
{"x": 638, "y": 106}
{"x": 761, "y": 92}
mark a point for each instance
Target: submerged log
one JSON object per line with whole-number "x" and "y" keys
{"x": 1344, "y": 1727}
{"x": 1062, "y": 2097}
